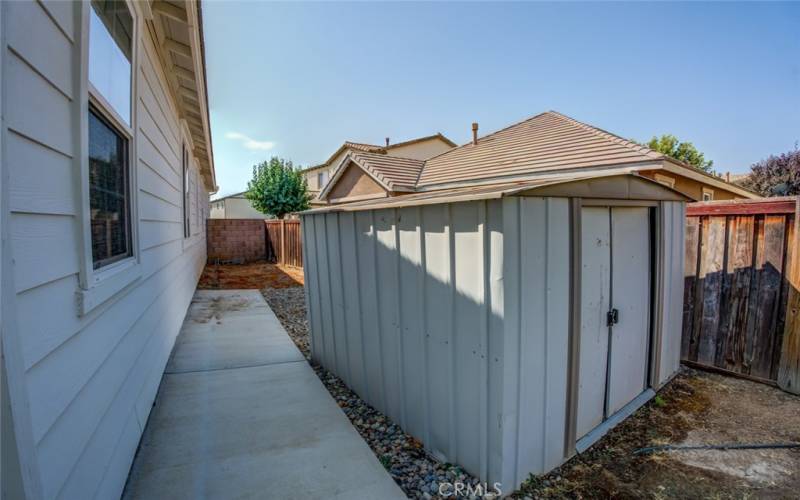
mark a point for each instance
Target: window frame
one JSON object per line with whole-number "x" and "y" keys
{"x": 707, "y": 192}
{"x": 323, "y": 174}
{"x": 185, "y": 191}
{"x": 93, "y": 109}
{"x": 97, "y": 286}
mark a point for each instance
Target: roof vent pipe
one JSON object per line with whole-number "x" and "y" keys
{"x": 474, "y": 133}
{"x": 387, "y": 142}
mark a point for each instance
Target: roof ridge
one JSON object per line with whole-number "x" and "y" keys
{"x": 355, "y": 154}
{"x": 385, "y": 156}
{"x": 638, "y": 148}
{"x": 470, "y": 143}
{"x": 364, "y": 156}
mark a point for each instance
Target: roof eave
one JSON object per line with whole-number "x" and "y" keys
{"x": 680, "y": 168}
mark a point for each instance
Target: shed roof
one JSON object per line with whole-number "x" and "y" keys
{"x": 617, "y": 183}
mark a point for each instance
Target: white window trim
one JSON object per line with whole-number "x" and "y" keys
{"x": 97, "y": 286}
{"x": 665, "y": 180}
{"x": 709, "y": 192}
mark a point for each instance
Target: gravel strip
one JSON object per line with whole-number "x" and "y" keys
{"x": 404, "y": 457}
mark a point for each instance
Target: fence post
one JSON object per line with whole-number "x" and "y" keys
{"x": 789, "y": 367}
{"x": 282, "y": 260}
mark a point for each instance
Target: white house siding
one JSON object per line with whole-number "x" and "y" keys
{"x": 83, "y": 386}
{"x": 402, "y": 309}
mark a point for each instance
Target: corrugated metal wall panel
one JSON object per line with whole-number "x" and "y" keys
{"x": 453, "y": 320}
{"x": 351, "y": 294}
{"x": 413, "y": 327}
{"x": 537, "y": 323}
{"x": 368, "y": 284}
{"x": 405, "y": 299}
{"x": 387, "y": 294}
{"x": 673, "y": 216}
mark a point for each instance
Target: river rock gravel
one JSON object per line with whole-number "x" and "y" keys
{"x": 413, "y": 469}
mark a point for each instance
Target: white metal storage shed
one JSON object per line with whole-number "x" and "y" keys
{"x": 507, "y": 325}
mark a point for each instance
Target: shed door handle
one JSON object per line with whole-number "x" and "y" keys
{"x": 612, "y": 317}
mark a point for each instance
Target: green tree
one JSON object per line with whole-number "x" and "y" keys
{"x": 277, "y": 188}
{"x": 682, "y": 151}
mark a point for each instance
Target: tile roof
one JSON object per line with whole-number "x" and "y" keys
{"x": 546, "y": 142}
{"x": 392, "y": 171}
{"x": 374, "y": 148}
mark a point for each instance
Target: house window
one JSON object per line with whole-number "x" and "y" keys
{"x": 322, "y": 179}
{"x": 109, "y": 193}
{"x": 708, "y": 194}
{"x": 109, "y": 120}
{"x": 186, "y": 211}
{"x": 110, "y": 51}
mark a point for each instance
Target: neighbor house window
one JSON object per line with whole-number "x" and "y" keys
{"x": 322, "y": 179}
{"x": 708, "y": 194}
{"x": 110, "y": 50}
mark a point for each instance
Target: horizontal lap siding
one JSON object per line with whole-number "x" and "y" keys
{"x": 401, "y": 308}
{"x": 90, "y": 381}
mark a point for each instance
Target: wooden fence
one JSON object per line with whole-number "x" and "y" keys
{"x": 284, "y": 242}
{"x": 741, "y": 295}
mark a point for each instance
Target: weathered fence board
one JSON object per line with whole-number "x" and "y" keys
{"x": 738, "y": 257}
{"x": 284, "y": 242}
{"x": 789, "y": 364}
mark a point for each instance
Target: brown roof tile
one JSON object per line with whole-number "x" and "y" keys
{"x": 546, "y": 142}
{"x": 393, "y": 171}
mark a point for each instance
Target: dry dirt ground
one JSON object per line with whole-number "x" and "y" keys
{"x": 695, "y": 408}
{"x": 255, "y": 275}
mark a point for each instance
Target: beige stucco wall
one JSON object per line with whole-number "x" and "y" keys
{"x": 691, "y": 187}
{"x": 420, "y": 150}
{"x": 235, "y": 207}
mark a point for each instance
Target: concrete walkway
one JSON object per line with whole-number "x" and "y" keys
{"x": 241, "y": 414}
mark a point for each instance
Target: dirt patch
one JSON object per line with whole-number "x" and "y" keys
{"x": 256, "y": 275}
{"x": 695, "y": 408}
{"x": 216, "y": 307}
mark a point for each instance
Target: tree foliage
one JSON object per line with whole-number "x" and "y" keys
{"x": 682, "y": 151}
{"x": 277, "y": 188}
{"x": 776, "y": 175}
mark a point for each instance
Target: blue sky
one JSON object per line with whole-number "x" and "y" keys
{"x": 297, "y": 79}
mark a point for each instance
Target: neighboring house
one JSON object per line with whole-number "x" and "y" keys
{"x": 234, "y": 206}
{"x": 545, "y": 144}
{"x": 509, "y": 301}
{"x": 419, "y": 149}
{"x": 106, "y": 170}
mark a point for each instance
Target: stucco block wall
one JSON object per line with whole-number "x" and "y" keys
{"x": 237, "y": 240}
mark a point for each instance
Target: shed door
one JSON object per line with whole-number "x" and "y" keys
{"x": 615, "y": 263}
